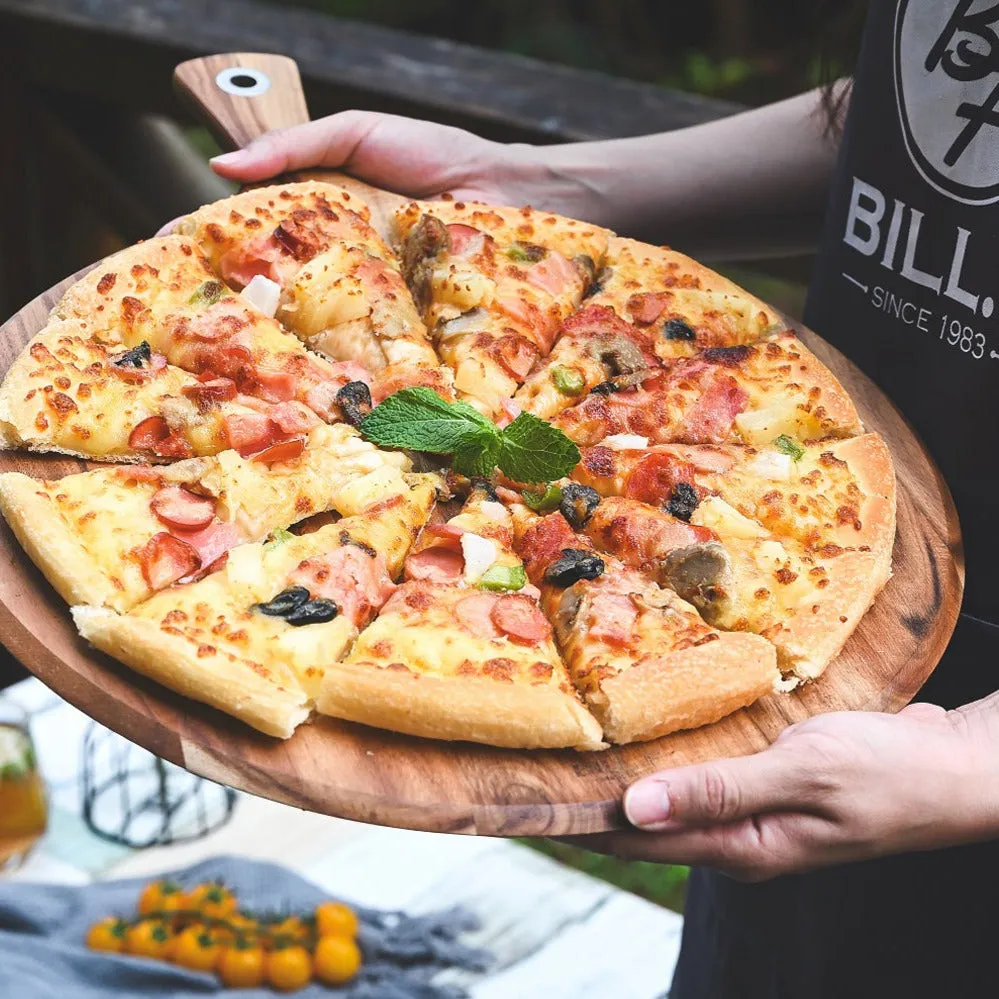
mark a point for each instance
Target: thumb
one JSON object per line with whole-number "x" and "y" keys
{"x": 718, "y": 792}
{"x": 328, "y": 142}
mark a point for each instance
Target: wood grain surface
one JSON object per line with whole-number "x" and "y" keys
{"x": 375, "y": 776}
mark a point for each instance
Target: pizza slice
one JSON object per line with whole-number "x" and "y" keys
{"x": 829, "y": 496}
{"x": 742, "y": 578}
{"x": 254, "y": 638}
{"x": 113, "y": 536}
{"x": 462, "y": 650}
{"x": 643, "y": 659}
{"x": 309, "y": 250}
{"x": 163, "y": 292}
{"x": 70, "y": 393}
{"x": 748, "y": 394}
{"x": 493, "y": 286}
{"x": 684, "y": 306}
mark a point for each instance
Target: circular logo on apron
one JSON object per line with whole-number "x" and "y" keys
{"x": 947, "y": 90}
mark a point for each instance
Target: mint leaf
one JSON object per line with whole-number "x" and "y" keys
{"x": 528, "y": 450}
{"x": 477, "y": 456}
{"x": 419, "y": 419}
{"x": 535, "y": 451}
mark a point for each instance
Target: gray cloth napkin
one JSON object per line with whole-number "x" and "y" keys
{"x": 42, "y": 930}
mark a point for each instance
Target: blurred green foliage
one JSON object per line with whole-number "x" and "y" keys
{"x": 746, "y": 50}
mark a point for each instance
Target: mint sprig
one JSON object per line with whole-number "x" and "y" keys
{"x": 528, "y": 450}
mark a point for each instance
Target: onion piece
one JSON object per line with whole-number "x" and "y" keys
{"x": 264, "y": 294}
{"x": 479, "y": 552}
{"x": 465, "y": 323}
{"x": 772, "y": 465}
{"x": 625, "y": 442}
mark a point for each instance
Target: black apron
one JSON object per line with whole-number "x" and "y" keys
{"x": 907, "y": 285}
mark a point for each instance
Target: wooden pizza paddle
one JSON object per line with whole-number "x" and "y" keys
{"x": 375, "y": 776}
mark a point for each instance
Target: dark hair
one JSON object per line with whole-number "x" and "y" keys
{"x": 841, "y": 23}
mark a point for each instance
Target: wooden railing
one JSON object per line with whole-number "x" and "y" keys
{"x": 91, "y": 155}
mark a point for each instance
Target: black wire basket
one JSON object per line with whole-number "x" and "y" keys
{"x": 135, "y": 799}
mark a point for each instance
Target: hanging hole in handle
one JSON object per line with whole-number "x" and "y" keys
{"x": 241, "y": 81}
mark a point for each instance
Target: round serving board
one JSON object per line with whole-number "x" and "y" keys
{"x": 374, "y": 776}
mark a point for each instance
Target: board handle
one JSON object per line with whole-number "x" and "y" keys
{"x": 242, "y": 95}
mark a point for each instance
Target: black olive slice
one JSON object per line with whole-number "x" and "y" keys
{"x": 573, "y": 565}
{"x": 354, "y": 400}
{"x": 683, "y": 501}
{"x": 285, "y": 602}
{"x": 677, "y": 329}
{"x": 136, "y": 357}
{"x": 605, "y": 388}
{"x": 316, "y": 611}
{"x": 578, "y": 503}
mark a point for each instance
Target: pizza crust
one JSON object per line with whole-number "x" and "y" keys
{"x": 687, "y": 689}
{"x": 268, "y": 699}
{"x": 54, "y": 549}
{"x": 457, "y": 708}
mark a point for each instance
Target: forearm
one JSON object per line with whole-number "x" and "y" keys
{"x": 753, "y": 184}
{"x": 978, "y": 724}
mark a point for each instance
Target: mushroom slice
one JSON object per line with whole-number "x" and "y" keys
{"x": 702, "y": 575}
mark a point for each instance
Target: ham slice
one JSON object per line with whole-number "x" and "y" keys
{"x": 246, "y": 260}
{"x": 612, "y": 619}
{"x": 164, "y": 559}
{"x": 554, "y": 275}
{"x": 210, "y": 392}
{"x": 281, "y": 451}
{"x": 647, "y": 307}
{"x": 154, "y": 435}
{"x": 520, "y": 619}
{"x": 713, "y": 414}
{"x": 211, "y": 543}
{"x": 466, "y": 241}
{"x": 357, "y": 582}
{"x": 475, "y": 614}
{"x": 177, "y": 507}
{"x": 435, "y": 565}
{"x": 655, "y": 477}
{"x": 251, "y": 433}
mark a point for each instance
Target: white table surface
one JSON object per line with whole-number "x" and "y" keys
{"x": 556, "y": 933}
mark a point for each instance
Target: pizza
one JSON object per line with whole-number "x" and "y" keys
{"x": 494, "y": 285}
{"x": 459, "y": 471}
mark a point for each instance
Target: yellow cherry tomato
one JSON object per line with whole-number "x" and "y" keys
{"x": 197, "y": 949}
{"x": 149, "y": 938}
{"x": 241, "y": 967}
{"x": 212, "y": 900}
{"x": 290, "y": 930}
{"x": 160, "y": 896}
{"x": 335, "y": 919}
{"x": 289, "y": 968}
{"x": 337, "y": 959}
{"x": 108, "y": 934}
{"x": 236, "y": 928}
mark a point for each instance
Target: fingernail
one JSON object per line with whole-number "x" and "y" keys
{"x": 647, "y": 805}
{"x": 228, "y": 159}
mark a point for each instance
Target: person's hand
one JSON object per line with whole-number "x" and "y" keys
{"x": 836, "y": 788}
{"x": 419, "y": 159}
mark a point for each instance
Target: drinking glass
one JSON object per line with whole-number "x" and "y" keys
{"x": 23, "y": 804}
